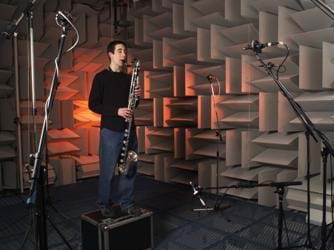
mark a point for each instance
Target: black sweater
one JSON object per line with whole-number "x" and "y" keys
{"x": 109, "y": 92}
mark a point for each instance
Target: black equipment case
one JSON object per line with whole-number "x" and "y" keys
{"x": 126, "y": 232}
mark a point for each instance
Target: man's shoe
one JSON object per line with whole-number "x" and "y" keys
{"x": 110, "y": 212}
{"x": 133, "y": 211}
{"x": 107, "y": 212}
{"x": 109, "y": 204}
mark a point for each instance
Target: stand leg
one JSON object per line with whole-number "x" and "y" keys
{"x": 308, "y": 242}
{"x": 324, "y": 154}
{"x": 60, "y": 234}
{"x": 41, "y": 213}
{"x": 280, "y": 192}
{"x": 31, "y": 225}
{"x": 218, "y": 203}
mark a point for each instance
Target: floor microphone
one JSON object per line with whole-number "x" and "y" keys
{"x": 256, "y": 45}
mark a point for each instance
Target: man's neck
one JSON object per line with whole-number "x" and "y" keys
{"x": 115, "y": 68}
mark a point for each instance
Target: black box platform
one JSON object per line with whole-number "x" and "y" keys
{"x": 124, "y": 232}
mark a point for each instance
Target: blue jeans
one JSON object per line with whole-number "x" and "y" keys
{"x": 118, "y": 189}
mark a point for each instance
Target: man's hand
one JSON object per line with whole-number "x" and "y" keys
{"x": 138, "y": 91}
{"x": 125, "y": 113}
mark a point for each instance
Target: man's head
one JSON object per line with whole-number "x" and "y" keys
{"x": 116, "y": 51}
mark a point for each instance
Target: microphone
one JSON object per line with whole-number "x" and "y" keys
{"x": 63, "y": 19}
{"x": 194, "y": 189}
{"x": 196, "y": 192}
{"x": 210, "y": 77}
{"x": 10, "y": 29}
{"x": 257, "y": 46}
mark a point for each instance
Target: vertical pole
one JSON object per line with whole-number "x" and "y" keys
{"x": 19, "y": 161}
{"x": 32, "y": 75}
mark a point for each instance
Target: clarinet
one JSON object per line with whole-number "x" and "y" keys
{"x": 127, "y": 157}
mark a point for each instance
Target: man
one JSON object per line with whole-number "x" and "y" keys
{"x": 109, "y": 97}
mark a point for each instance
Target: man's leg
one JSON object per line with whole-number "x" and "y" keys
{"x": 109, "y": 150}
{"x": 126, "y": 182}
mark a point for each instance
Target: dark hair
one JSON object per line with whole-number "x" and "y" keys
{"x": 111, "y": 46}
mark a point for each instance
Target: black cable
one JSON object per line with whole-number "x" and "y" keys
{"x": 283, "y": 69}
{"x": 97, "y": 6}
{"x": 285, "y": 58}
{"x": 305, "y": 119}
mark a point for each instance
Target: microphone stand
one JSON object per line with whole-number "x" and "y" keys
{"x": 326, "y": 9}
{"x": 279, "y": 190}
{"x": 218, "y": 203}
{"x": 37, "y": 194}
{"x": 219, "y": 141}
{"x": 30, "y": 16}
{"x": 12, "y": 32}
{"x": 314, "y": 132}
{"x": 19, "y": 161}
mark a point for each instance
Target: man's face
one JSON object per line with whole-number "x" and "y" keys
{"x": 119, "y": 55}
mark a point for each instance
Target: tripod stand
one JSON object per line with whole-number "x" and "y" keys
{"x": 40, "y": 217}
{"x": 280, "y": 219}
{"x": 11, "y": 32}
{"x": 280, "y": 192}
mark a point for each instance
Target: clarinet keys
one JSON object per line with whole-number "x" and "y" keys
{"x": 128, "y": 156}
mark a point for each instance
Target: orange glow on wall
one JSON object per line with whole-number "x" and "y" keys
{"x": 83, "y": 116}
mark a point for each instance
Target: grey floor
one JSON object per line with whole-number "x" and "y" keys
{"x": 244, "y": 225}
